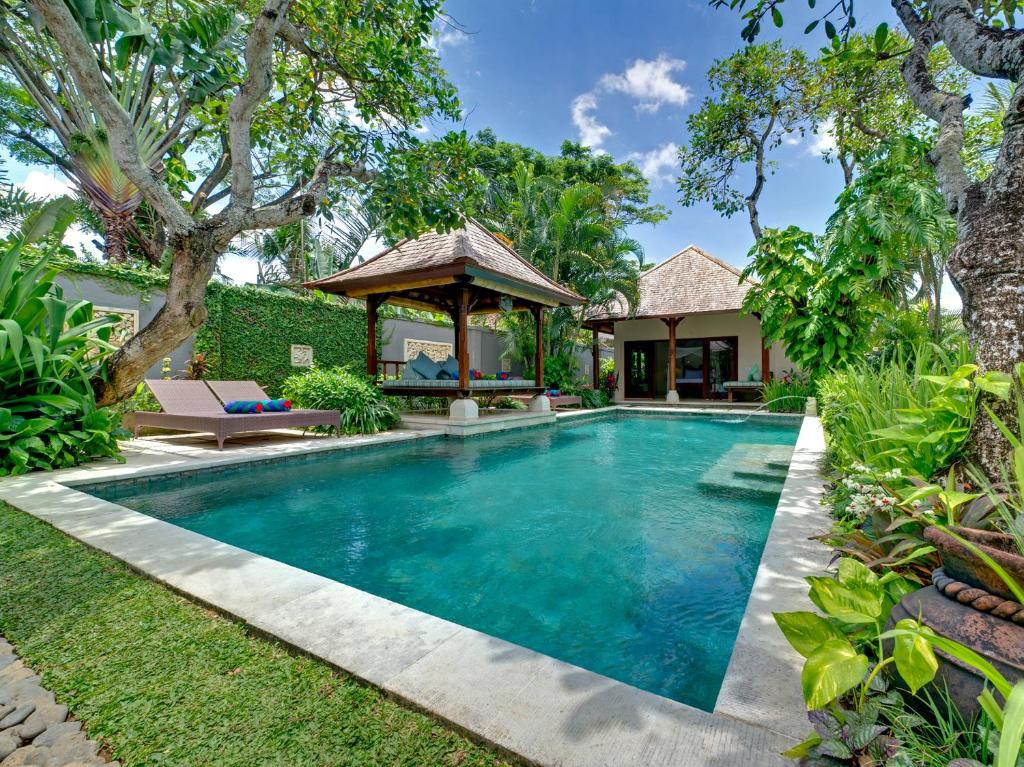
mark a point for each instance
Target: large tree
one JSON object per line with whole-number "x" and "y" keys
{"x": 759, "y": 96}
{"x": 326, "y": 97}
{"x": 987, "y": 262}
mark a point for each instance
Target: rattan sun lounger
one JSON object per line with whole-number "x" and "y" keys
{"x": 191, "y": 406}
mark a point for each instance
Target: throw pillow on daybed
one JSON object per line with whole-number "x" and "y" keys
{"x": 243, "y": 406}
{"x": 451, "y": 367}
{"x": 425, "y": 366}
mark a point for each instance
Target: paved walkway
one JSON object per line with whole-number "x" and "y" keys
{"x": 34, "y": 728}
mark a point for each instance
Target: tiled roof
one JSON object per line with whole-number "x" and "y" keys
{"x": 472, "y": 245}
{"x": 691, "y": 282}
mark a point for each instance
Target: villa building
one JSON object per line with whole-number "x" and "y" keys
{"x": 686, "y": 338}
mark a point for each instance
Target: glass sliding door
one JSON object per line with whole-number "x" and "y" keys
{"x": 690, "y": 368}
{"x": 703, "y": 365}
{"x": 639, "y": 382}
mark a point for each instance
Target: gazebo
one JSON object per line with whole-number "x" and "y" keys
{"x": 463, "y": 272}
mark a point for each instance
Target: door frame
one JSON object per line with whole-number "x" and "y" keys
{"x": 648, "y": 347}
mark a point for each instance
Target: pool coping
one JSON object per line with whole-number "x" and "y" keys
{"x": 542, "y": 710}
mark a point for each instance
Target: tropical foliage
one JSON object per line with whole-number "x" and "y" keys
{"x": 152, "y": 66}
{"x": 49, "y": 350}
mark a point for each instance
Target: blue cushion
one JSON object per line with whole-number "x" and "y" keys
{"x": 425, "y": 366}
{"x": 442, "y": 375}
{"x": 451, "y": 367}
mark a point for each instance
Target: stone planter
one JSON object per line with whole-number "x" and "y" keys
{"x": 968, "y": 603}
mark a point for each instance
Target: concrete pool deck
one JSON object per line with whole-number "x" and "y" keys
{"x": 538, "y": 708}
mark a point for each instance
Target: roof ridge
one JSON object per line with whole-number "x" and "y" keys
{"x": 700, "y": 252}
{"x": 511, "y": 251}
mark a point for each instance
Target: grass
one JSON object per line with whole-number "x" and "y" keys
{"x": 163, "y": 681}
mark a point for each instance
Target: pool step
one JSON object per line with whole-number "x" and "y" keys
{"x": 748, "y": 471}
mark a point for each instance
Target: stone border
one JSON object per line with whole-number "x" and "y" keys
{"x": 543, "y": 710}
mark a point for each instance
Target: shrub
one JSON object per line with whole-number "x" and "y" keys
{"x": 49, "y": 350}
{"x": 561, "y": 372}
{"x": 364, "y": 408}
{"x": 788, "y": 394}
{"x": 865, "y": 398}
{"x": 594, "y": 398}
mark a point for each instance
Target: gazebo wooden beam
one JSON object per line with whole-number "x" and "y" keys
{"x": 672, "y": 322}
{"x": 462, "y": 336}
{"x": 538, "y": 364}
{"x": 372, "y": 304}
{"x": 596, "y": 363}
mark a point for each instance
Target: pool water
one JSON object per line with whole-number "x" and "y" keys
{"x": 593, "y": 543}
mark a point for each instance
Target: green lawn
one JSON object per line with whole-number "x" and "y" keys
{"x": 163, "y": 681}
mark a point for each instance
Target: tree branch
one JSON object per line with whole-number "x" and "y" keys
{"x": 81, "y": 60}
{"x": 259, "y": 49}
{"x": 976, "y": 46}
{"x": 946, "y": 109}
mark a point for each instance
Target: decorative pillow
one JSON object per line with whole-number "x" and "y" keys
{"x": 754, "y": 374}
{"x": 444, "y": 375}
{"x": 244, "y": 406}
{"x": 425, "y": 366}
{"x": 451, "y": 367}
{"x": 276, "y": 405}
{"x": 504, "y": 375}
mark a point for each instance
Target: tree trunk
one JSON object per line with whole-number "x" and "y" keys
{"x": 115, "y": 236}
{"x": 987, "y": 268}
{"x": 193, "y": 261}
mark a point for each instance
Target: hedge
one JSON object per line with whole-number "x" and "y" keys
{"x": 249, "y": 331}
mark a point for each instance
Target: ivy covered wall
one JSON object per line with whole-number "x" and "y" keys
{"x": 249, "y": 333}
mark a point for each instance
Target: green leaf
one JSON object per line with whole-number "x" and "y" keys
{"x": 806, "y": 631}
{"x": 1012, "y": 732}
{"x": 832, "y": 670}
{"x": 856, "y": 606}
{"x": 881, "y": 36}
{"x": 915, "y": 659}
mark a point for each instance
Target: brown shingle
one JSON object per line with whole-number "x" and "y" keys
{"x": 472, "y": 245}
{"x": 691, "y": 282}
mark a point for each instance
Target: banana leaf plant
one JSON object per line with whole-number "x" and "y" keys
{"x": 158, "y": 73}
{"x": 49, "y": 350}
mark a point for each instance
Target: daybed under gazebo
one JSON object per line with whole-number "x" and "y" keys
{"x": 463, "y": 272}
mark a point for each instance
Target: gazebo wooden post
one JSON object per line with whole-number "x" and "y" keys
{"x": 596, "y": 351}
{"x": 372, "y": 303}
{"x": 538, "y": 364}
{"x": 462, "y": 337}
{"x": 766, "y": 361}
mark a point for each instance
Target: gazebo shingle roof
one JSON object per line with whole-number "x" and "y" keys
{"x": 691, "y": 282}
{"x": 471, "y": 250}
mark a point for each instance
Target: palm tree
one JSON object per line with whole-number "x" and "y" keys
{"x": 155, "y": 73}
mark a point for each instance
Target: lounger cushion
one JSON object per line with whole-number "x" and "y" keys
{"x": 451, "y": 367}
{"x": 243, "y": 406}
{"x": 425, "y": 366}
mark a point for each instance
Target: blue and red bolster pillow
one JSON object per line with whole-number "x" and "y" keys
{"x": 243, "y": 406}
{"x": 258, "y": 406}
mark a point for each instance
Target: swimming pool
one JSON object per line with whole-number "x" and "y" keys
{"x": 626, "y": 545}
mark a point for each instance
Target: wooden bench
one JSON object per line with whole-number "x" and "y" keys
{"x": 733, "y": 386}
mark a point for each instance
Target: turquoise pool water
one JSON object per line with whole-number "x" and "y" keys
{"x": 602, "y": 544}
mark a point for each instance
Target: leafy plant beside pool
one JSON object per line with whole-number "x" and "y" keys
{"x": 364, "y": 409}
{"x": 49, "y": 350}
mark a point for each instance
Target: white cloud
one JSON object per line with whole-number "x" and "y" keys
{"x": 592, "y": 132}
{"x": 447, "y": 36}
{"x": 658, "y": 164}
{"x": 823, "y": 140}
{"x": 650, "y": 83}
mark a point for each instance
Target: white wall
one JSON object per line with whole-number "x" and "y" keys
{"x": 746, "y": 328}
